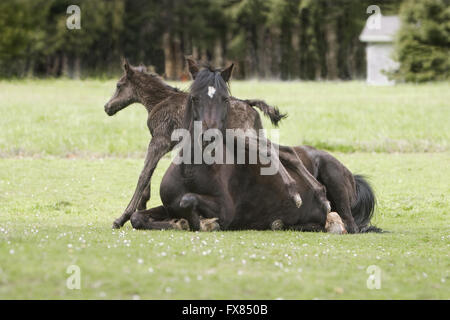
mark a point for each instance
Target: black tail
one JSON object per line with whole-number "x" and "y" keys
{"x": 272, "y": 112}
{"x": 364, "y": 206}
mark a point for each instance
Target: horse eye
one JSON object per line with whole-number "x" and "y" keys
{"x": 119, "y": 85}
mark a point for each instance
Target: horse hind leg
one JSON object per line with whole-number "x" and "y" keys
{"x": 339, "y": 188}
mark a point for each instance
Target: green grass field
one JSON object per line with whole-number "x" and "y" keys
{"x": 67, "y": 170}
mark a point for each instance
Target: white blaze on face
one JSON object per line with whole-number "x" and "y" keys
{"x": 211, "y": 91}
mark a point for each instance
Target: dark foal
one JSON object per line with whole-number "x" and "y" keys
{"x": 238, "y": 196}
{"x": 166, "y": 107}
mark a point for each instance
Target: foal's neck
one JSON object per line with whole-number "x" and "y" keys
{"x": 152, "y": 91}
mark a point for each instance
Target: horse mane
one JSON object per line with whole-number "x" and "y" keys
{"x": 141, "y": 69}
{"x": 162, "y": 82}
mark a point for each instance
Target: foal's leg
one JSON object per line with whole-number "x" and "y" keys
{"x": 144, "y": 199}
{"x": 289, "y": 155}
{"x": 156, "y": 219}
{"x": 288, "y": 181}
{"x": 157, "y": 148}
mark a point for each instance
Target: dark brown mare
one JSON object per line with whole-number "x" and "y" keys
{"x": 166, "y": 108}
{"x": 238, "y": 195}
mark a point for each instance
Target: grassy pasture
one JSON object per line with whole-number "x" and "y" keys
{"x": 67, "y": 170}
{"x": 60, "y": 118}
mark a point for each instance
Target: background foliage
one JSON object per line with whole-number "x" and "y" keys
{"x": 423, "y": 44}
{"x": 287, "y": 39}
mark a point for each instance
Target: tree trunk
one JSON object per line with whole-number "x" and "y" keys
{"x": 177, "y": 57}
{"x": 295, "y": 43}
{"x": 65, "y": 71}
{"x": 332, "y": 49}
{"x": 168, "y": 61}
{"x": 218, "y": 56}
{"x": 260, "y": 50}
{"x": 77, "y": 67}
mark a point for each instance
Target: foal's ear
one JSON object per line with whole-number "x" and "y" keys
{"x": 126, "y": 67}
{"x": 193, "y": 67}
{"x": 226, "y": 73}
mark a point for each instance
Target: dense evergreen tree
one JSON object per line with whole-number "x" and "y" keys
{"x": 423, "y": 43}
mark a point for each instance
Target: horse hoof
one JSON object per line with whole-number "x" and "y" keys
{"x": 352, "y": 228}
{"x": 334, "y": 224}
{"x": 209, "y": 225}
{"x": 277, "y": 225}
{"x": 116, "y": 225}
{"x": 298, "y": 200}
{"x": 181, "y": 224}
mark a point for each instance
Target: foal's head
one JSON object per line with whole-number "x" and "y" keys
{"x": 209, "y": 98}
{"x": 137, "y": 85}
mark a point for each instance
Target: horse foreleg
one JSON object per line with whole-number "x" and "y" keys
{"x": 157, "y": 148}
{"x": 205, "y": 211}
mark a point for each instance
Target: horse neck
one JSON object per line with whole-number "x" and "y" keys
{"x": 152, "y": 92}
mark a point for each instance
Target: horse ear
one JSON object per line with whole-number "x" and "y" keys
{"x": 193, "y": 67}
{"x": 226, "y": 73}
{"x": 126, "y": 67}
